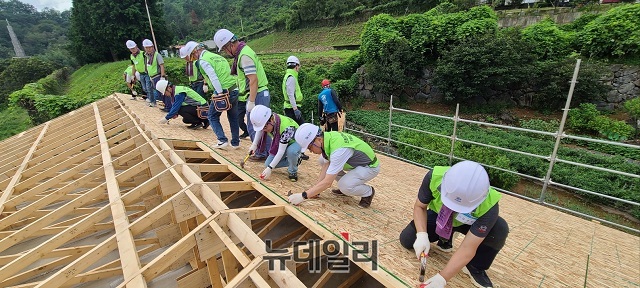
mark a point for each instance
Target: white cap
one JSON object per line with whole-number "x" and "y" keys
{"x": 305, "y": 135}
{"x": 162, "y": 86}
{"x": 147, "y": 43}
{"x": 464, "y": 186}
{"x": 190, "y": 46}
{"x": 222, "y": 37}
{"x": 131, "y": 44}
{"x": 259, "y": 117}
{"x": 293, "y": 59}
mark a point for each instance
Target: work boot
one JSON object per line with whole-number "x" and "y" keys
{"x": 478, "y": 277}
{"x": 303, "y": 156}
{"x": 205, "y": 124}
{"x": 255, "y": 158}
{"x": 444, "y": 245}
{"x": 293, "y": 177}
{"x": 337, "y": 192}
{"x": 194, "y": 126}
{"x": 365, "y": 202}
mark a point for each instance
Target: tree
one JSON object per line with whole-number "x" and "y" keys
{"x": 99, "y": 28}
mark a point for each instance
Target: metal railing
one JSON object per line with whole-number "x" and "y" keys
{"x": 552, "y": 158}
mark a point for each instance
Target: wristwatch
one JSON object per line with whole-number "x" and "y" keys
{"x": 304, "y": 194}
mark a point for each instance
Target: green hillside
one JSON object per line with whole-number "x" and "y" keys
{"x": 309, "y": 39}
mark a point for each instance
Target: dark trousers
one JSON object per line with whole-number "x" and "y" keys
{"x": 242, "y": 111}
{"x": 190, "y": 115}
{"x": 289, "y": 113}
{"x": 487, "y": 251}
{"x": 331, "y": 126}
{"x": 198, "y": 87}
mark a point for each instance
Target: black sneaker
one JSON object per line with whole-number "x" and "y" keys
{"x": 304, "y": 157}
{"x": 293, "y": 177}
{"x": 337, "y": 192}
{"x": 205, "y": 124}
{"x": 365, "y": 202}
{"x": 194, "y": 126}
{"x": 444, "y": 245}
{"x": 244, "y": 135}
{"x": 478, "y": 277}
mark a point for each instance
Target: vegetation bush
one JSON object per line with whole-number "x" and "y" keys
{"x": 587, "y": 119}
{"x": 20, "y": 72}
{"x": 13, "y": 120}
{"x": 616, "y": 33}
{"x": 547, "y": 40}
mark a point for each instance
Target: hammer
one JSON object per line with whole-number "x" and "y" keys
{"x": 423, "y": 266}
{"x": 244, "y": 161}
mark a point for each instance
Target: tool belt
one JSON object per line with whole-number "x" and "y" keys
{"x": 203, "y": 112}
{"x": 331, "y": 117}
{"x": 221, "y": 102}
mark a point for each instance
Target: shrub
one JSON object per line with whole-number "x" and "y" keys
{"x": 580, "y": 23}
{"x": 540, "y": 125}
{"x": 587, "y": 119}
{"x": 20, "y": 72}
{"x": 547, "y": 40}
{"x": 633, "y": 107}
{"x": 579, "y": 118}
{"x": 615, "y": 33}
{"x": 343, "y": 70}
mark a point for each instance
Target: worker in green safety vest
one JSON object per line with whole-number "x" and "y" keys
{"x": 339, "y": 152}
{"x": 291, "y": 91}
{"x": 252, "y": 80}
{"x": 138, "y": 67}
{"x": 154, "y": 67}
{"x": 457, "y": 199}
{"x": 185, "y": 103}
{"x": 196, "y": 80}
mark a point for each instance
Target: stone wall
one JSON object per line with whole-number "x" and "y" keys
{"x": 624, "y": 82}
{"x": 523, "y": 20}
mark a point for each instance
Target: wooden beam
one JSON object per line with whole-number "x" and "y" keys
{"x": 18, "y": 174}
{"x": 352, "y": 279}
{"x": 322, "y": 281}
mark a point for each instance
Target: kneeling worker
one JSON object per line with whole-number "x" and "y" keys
{"x": 281, "y": 129}
{"x": 458, "y": 199}
{"x": 339, "y": 152}
{"x": 185, "y": 103}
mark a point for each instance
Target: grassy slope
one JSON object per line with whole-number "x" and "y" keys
{"x": 309, "y": 39}
{"x": 95, "y": 81}
{"x": 13, "y": 120}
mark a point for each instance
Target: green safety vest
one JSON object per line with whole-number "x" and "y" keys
{"x": 193, "y": 98}
{"x": 287, "y": 104}
{"x": 221, "y": 67}
{"x": 284, "y": 123}
{"x": 242, "y": 80}
{"x": 436, "y": 203}
{"x": 152, "y": 69}
{"x": 240, "y": 84}
{"x": 197, "y": 76}
{"x": 334, "y": 140}
{"x": 129, "y": 70}
{"x": 138, "y": 61}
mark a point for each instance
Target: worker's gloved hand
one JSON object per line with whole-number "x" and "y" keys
{"x": 253, "y": 149}
{"x": 322, "y": 121}
{"x": 205, "y": 88}
{"x": 266, "y": 173}
{"x": 134, "y": 93}
{"x": 250, "y": 106}
{"x": 436, "y": 281}
{"x": 296, "y": 199}
{"x": 298, "y": 114}
{"x": 422, "y": 244}
{"x": 163, "y": 121}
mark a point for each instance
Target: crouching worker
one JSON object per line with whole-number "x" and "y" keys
{"x": 185, "y": 103}
{"x": 284, "y": 151}
{"x": 458, "y": 199}
{"x": 131, "y": 79}
{"x": 340, "y": 152}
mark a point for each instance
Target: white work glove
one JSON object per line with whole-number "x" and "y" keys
{"x": 252, "y": 149}
{"x": 163, "y": 121}
{"x": 436, "y": 281}
{"x": 422, "y": 244}
{"x": 163, "y": 78}
{"x": 250, "y": 106}
{"x": 266, "y": 173}
{"x": 205, "y": 88}
{"x": 134, "y": 93}
{"x": 296, "y": 199}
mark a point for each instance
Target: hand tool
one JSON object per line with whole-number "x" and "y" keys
{"x": 244, "y": 161}
{"x": 423, "y": 266}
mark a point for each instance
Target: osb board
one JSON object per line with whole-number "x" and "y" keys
{"x": 545, "y": 247}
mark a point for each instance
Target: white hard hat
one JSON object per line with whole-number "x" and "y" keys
{"x": 147, "y": 43}
{"x": 305, "y": 134}
{"x": 183, "y": 52}
{"x": 464, "y": 186}
{"x": 131, "y": 44}
{"x": 259, "y": 117}
{"x": 162, "y": 86}
{"x": 222, "y": 37}
{"x": 190, "y": 46}
{"x": 293, "y": 59}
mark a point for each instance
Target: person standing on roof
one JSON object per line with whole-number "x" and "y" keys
{"x": 154, "y": 67}
{"x": 340, "y": 152}
{"x": 252, "y": 79}
{"x": 284, "y": 151}
{"x": 130, "y": 78}
{"x": 196, "y": 80}
{"x": 137, "y": 61}
{"x": 458, "y": 199}
{"x": 217, "y": 75}
{"x": 185, "y": 103}
{"x": 292, "y": 93}
{"x": 329, "y": 107}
